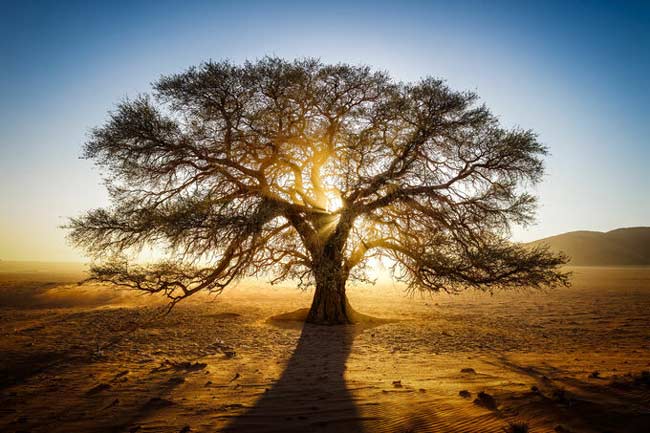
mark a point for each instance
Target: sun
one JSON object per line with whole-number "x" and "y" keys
{"x": 334, "y": 203}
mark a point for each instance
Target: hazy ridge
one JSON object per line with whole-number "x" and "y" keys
{"x": 620, "y": 247}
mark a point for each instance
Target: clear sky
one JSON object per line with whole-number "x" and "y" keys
{"x": 575, "y": 72}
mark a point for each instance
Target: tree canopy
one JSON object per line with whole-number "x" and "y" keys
{"x": 304, "y": 170}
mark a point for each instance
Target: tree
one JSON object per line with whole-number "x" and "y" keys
{"x": 304, "y": 170}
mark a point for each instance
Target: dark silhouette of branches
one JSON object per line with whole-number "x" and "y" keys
{"x": 305, "y": 170}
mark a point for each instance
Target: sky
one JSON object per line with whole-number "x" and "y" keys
{"x": 574, "y": 72}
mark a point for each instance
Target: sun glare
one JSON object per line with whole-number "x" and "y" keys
{"x": 334, "y": 203}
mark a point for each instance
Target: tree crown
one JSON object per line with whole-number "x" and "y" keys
{"x": 291, "y": 166}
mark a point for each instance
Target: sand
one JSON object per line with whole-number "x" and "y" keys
{"x": 93, "y": 360}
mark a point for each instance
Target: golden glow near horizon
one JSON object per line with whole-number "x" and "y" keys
{"x": 378, "y": 269}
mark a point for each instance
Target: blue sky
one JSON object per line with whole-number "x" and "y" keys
{"x": 575, "y": 72}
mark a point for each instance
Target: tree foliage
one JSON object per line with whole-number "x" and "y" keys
{"x": 305, "y": 170}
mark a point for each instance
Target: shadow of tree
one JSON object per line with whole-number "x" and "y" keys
{"x": 311, "y": 394}
{"x": 596, "y": 405}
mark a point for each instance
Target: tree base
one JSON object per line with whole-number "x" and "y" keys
{"x": 330, "y": 321}
{"x": 330, "y": 308}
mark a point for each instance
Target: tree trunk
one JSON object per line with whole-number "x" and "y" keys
{"x": 330, "y": 305}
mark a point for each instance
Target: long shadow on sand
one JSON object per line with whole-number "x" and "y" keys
{"x": 311, "y": 395}
{"x": 590, "y": 405}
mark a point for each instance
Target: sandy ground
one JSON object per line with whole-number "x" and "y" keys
{"x": 94, "y": 360}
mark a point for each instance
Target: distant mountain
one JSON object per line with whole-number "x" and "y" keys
{"x": 620, "y": 247}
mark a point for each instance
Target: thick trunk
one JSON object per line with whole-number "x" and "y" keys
{"x": 330, "y": 305}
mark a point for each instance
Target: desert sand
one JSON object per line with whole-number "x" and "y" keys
{"x": 92, "y": 359}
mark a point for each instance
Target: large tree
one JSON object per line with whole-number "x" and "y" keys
{"x": 304, "y": 170}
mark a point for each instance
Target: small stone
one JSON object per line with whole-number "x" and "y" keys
{"x": 486, "y": 400}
